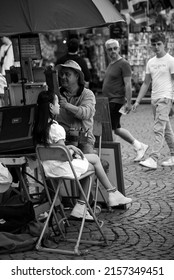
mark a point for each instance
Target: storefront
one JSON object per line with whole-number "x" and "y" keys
{"x": 133, "y": 35}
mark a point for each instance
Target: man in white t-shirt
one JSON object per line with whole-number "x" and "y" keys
{"x": 159, "y": 71}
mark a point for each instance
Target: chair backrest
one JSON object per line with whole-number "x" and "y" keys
{"x": 56, "y": 152}
{"x": 60, "y": 153}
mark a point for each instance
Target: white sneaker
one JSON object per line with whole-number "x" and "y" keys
{"x": 116, "y": 198}
{"x": 78, "y": 211}
{"x": 141, "y": 152}
{"x": 169, "y": 162}
{"x": 149, "y": 162}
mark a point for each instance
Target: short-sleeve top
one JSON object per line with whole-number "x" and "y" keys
{"x": 58, "y": 168}
{"x": 160, "y": 70}
{"x": 113, "y": 84}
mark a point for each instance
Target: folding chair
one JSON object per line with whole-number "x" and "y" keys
{"x": 61, "y": 153}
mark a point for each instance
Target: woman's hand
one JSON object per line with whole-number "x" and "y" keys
{"x": 76, "y": 150}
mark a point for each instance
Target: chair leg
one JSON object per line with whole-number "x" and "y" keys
{"x": 57, "y": 188}
{"x": 77, "y": 241}
{"x": 91, "y": 212}
{"x": 67, "y": 191}
{"x": 76, "y": 248}
{"x": 61, "y": 206}
{"x": 38, "y": 245}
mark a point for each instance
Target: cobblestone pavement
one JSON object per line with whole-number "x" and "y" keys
{"x": 145, "y": 230}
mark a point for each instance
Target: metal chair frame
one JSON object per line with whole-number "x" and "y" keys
{"x": 61, "y": 153}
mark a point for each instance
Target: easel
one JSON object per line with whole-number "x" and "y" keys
{"x": 102, "y": 115}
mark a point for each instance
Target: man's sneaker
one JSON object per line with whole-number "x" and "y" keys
{"x": 149, "y": 162}
{"x": 116, "y": 198}
{"x": 141, "y": 152}
{"x": 169, "y": 162}
{"x": 78, "y": 211}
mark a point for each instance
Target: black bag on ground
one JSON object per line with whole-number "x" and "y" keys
{"x": 15, "y": 212}
{"x": 14, "y": 242}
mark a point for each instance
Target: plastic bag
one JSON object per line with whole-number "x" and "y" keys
{"x": 5, "y": 178}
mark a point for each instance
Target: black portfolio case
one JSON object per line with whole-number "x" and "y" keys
{"x": 16, "y": 125}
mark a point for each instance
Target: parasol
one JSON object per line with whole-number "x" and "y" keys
{"x": 37, "y": 16}
{"x": 26, "y": 16}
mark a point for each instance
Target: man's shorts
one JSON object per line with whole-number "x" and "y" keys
{"x": 115, "y": 115}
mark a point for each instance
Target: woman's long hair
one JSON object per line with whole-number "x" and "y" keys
{"x": 44, "y": 118}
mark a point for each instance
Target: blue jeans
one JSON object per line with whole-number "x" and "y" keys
{"x": 162, "y": 126}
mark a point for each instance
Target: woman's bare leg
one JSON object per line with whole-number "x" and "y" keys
{"x": 115, "y": 198}
{"x": 101, "y": 175}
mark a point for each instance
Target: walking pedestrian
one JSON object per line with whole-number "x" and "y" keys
{"x": 117, "y": 87}
{"x": 159, "y": 71}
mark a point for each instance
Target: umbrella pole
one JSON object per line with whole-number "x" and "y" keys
{"x": 22, "y": 72}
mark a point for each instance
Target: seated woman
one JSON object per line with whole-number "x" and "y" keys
{"x": 47, "y": 131}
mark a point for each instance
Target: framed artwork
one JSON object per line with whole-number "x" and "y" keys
{"x": 112, "y": 163}
{"x": 102, "y": 115}
{"x": 111, "y": 152}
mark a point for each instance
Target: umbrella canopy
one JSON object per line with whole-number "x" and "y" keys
{"x": 26, "y": 16}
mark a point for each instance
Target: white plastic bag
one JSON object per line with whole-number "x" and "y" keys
{"x": 5, "y": 178}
